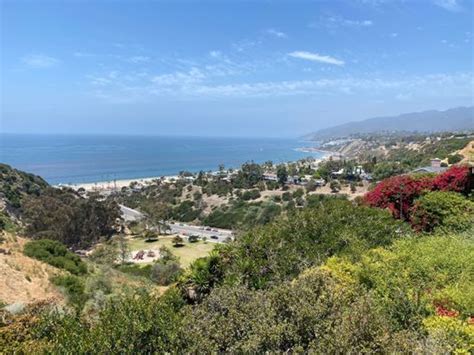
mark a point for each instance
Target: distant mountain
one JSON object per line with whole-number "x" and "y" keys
{"x": 455, "y": 119}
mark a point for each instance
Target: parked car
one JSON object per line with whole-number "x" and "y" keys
{"x": 214, "y": 237}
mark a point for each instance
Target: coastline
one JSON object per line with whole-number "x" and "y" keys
{"x": 113, "y": 185}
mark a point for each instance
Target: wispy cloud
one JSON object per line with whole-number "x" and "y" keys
{"x": 450, "y": 5}
{"x": 332, "y": 23}
{"x": 315, "y": 57}
{"x": 194, "y": 75}
{"x": 195, "y": 85}
{"x": 215, "y": 54}
{"x": 39, "y": 61}
{"x": 139, "y": 59}
{"x": 275, "y": 33}
{"x": 340, "y": 21}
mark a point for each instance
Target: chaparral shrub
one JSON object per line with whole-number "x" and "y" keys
{"x": 442, "y": 209}
{"x": 55, "y": 254}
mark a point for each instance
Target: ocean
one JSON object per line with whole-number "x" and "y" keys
{"x": 73, "y": 159}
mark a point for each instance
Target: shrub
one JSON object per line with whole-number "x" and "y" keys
{"x": 455, "y": 158}
{"x": 164, "y": 273}
{"x": 440, "y": 209}
{"x": 415, "y": 275}
{"x": 284, "y": 248}
{"x": 399, "y": 193}
{"x": 287, "y": 196}
{"x": 335, "y": 186}
{"x": 55, "y": 254}
{"x": 250, "y": 195}
{"x": 135, "y": 270}
{"x": 130, "y": 324}
{"x": 73, "y": 287}
{"x": 453, "y": 179}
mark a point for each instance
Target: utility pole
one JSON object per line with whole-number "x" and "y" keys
{"x": 401, "y": 201}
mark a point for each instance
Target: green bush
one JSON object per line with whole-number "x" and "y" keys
{"x": 455, "y": 158}
{"x": 250, "y": 195}
{"x": 164, "y": 273}
{"x": 130, "y": 324}
{"x": 415, "y": 275}
{"x": 55, "y": 254}
{"x": 74, "y": 288}
{"x": 449, "y": 211}
{"x": 135, "y": 270}
{"x": 281, "y": 250}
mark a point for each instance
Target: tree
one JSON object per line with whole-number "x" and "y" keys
{"x": 177, "y": 241}
{"x": 335, "y": 186}
{"x": 150, "y": 236}
{"x": 73, "y": 220}
{"x": 282, "y": 174}
{"x": 353, "y": 187}
{"x": 123, "y": 248}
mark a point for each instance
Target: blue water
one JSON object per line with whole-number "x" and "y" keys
{"x": 90, "y": 158}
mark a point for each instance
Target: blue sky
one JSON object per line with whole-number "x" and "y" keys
{"x": 229, "y": 68}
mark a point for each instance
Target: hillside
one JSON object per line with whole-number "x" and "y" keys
{"x": 15, "y": 185}
{"x": 24, "y": 279}
{"x": 455, "y": 119}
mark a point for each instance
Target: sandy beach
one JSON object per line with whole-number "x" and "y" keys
{"x": 115, "y": 184}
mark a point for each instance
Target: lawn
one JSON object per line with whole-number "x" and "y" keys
{"x": 186, "y": 254}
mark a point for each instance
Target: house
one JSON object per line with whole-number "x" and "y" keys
{"x": 434, "y": 167}
{"x": 295, "y": 179}
{"x": 270, "y": 177}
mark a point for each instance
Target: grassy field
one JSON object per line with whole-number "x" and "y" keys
{"x": 186, "y": 254}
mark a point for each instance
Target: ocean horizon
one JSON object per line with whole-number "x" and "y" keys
{"x": 75, "y": 159}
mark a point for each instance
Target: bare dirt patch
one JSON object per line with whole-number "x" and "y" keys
{"x": 23, "y": 279}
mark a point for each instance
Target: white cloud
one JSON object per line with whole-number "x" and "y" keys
{"x": 83, "y": 55}
{"x": 337, "y": 20}
{"x": 194, "y": 84}
{"x": 39, "y": 61}
{"x": 215, "y": 54}
{"x": 315, "y": 57}
{"x": 138, "y": 59}
{"x": 276, "y": 33}
{"x": 334, "y": 22}
{"x": 194, "y": 75}
{"x": 450, "y": 5}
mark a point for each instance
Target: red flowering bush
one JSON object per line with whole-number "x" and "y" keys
{"x": 399, "y": 193}
{"x": 444, "y": 312}
{"x": 455, "y": 179}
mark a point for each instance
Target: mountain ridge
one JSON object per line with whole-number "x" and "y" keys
{"x": 454, "y": 119}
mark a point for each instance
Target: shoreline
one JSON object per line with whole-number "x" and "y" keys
{"x": 113, "y": 185}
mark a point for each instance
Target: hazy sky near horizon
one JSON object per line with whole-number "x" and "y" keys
{"x": 229, "y": 68}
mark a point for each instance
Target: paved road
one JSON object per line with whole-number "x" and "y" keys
{"x": 185, "y": 230}
{"x": 130, "y": 215}
{"x": 213, "y": 235}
